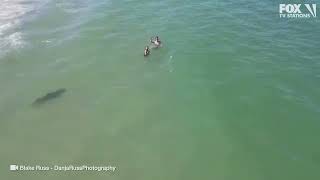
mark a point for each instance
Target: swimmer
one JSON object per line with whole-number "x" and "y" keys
{"x": 156, "y": 41}
{"x": 146, "y": 51}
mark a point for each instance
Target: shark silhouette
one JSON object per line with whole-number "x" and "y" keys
{"x": 49, "y": 96}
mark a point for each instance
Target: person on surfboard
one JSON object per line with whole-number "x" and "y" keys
{"x": 146, "y": 51}
{"x": 156, "y": 41}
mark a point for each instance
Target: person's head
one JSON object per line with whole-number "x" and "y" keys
{"x": 147, "y": 47}
{"x": 157, "y": 38}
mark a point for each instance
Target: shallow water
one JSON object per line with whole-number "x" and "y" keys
{"x": 232, "y": 94}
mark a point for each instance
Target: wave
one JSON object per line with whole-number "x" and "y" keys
{"x": 12, "y": 16}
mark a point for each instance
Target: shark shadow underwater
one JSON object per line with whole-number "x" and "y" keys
{"x": 49, "y": 97}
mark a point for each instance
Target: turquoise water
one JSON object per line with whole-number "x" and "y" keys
{"x": 232, "y": 94}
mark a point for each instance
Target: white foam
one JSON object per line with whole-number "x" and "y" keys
{"x": 10, "y": 42}
{"x": 46, "y": 41}
{"x": 15, "y": 40}
{"x": 12, "y": 14}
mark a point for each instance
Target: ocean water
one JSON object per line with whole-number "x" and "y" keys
{"x": 234, "y": 92}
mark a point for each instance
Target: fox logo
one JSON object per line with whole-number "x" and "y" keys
{"x": 293, "y": 10}
{"x": 312, "y": 10}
